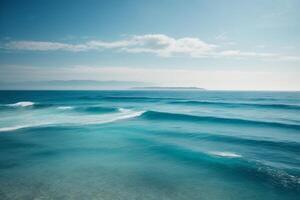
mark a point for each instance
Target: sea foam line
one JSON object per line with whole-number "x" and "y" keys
{"x": 65, "y": 107}
{"x": 13, "y": 128}
{"x": 124, "y": 114}
{"x": 226, "y": 154}
{"x": 22, "y": 104}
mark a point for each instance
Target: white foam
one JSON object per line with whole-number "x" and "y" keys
{"x": 130, "y": 115}
{"x": 22, "y": 104}
{"x": 13, "y": 128}
{"x": 112, "y": 118}
{"x": 65, "y": 107}
{"x": 123, "y": 110}
{"x": 226, "y": 154}
{"x": 68, "y": 119}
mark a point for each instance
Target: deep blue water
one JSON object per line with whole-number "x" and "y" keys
{"x": 149, "y": 145}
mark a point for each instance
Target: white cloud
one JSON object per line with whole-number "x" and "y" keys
{"x": 94, "y": 44}
{"x": 237, "y": 53}
{"x": 165, "y": 46}
{"x": 158, "y": 44}
{"x": 43, "y": 46}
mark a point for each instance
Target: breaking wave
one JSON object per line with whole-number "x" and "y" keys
{"x": 22, "y": 104}
{"x": 225, "y": 154}
{"x": 66, "y": 119}
{"x": 65, "y": 107}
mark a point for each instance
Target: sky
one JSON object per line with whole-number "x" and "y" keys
{"x": 212, "y": 44}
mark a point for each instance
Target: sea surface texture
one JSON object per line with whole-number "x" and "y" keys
{"x": 157, "y": 145}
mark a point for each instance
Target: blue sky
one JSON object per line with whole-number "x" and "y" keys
{"x": 244, "y": 45}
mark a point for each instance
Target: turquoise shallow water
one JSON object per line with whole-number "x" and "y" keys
{"x": 149, "y": 145}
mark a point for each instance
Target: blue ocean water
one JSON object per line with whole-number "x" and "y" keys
{"x": 149, "y": 145}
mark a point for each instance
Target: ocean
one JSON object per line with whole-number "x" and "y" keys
{"x": 173, "y": 145}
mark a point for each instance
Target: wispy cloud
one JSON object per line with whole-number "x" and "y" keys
{"x": 224, "y": 40}
{"x": 158, "y": 44}
{"x": 43, "y": 46}
{"x": 222, "y": 36}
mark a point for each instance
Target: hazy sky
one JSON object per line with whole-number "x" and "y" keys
{"x": 215, "y": 44}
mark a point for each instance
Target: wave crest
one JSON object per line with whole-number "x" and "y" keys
{"x": 155, "y": 115}
{"x": 65, "y": 107}
{"x": 78, "y": 120}
{"x": 22, "y": 104}
{"x": 226, "y": 154}
{"x": 235, "y": 104}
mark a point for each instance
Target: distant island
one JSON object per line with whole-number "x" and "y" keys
{"x": 167, "y": 88}
{"x": 86, "y": 85}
